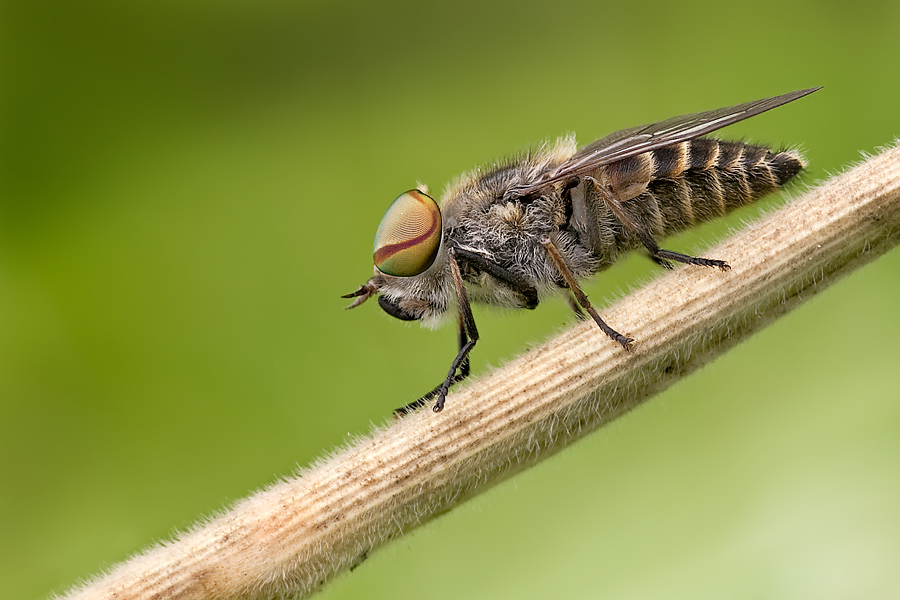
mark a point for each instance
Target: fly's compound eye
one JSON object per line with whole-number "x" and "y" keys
{"x": 408, "y": 238}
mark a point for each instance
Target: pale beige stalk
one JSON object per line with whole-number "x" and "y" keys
{"x": 298, "y": 534}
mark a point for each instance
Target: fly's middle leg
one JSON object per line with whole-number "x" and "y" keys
{"x": 580, "y": 296}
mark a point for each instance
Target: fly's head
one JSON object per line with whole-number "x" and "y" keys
{"x": 411, "y": 278}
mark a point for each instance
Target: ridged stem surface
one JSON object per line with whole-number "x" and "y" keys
{"x": 293, "y": 537}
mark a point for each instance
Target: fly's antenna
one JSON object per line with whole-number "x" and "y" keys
{"x": 362, "y": 294}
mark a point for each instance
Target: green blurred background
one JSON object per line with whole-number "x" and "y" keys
{"x": 187, "y": 187}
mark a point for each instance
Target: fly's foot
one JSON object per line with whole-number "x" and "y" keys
{"x": 661, "y": 256}
{"x": 711, "y": 262}
{"x": 412, "y": 406}
{"x": 624, "y": 340}
{"x": 442, "y": 392}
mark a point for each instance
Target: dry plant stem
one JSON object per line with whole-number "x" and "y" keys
{"x": 298, "y": 534}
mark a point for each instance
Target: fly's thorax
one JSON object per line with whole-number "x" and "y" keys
{"x": 509, "y": 233}
{"x": 484, "y": 186}
{"x": 480, "y": 216}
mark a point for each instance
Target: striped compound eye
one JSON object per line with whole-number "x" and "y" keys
{"x": 408, "y": 238}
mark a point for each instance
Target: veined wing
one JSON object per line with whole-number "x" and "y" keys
{"x": 637, "y": 140}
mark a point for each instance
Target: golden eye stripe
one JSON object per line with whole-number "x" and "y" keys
{"x": 408, "y": 238}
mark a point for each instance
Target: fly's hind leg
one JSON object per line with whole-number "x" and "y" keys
{"x": 662, "y": 257}
{"x": 614, "y": 196}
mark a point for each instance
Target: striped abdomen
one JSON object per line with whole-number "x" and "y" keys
{"x": 706, "y": 178}
{"x": 703, "y": 179}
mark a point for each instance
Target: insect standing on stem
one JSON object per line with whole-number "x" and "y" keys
{"x": 513, "y": 233}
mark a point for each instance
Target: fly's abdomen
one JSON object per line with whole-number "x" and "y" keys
{"x": 703, "y": 179}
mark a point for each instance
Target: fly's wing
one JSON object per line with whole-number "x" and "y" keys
{"x": 637, "y": 140}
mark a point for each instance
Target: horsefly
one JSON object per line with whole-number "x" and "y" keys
{"x": 512, "y": 233}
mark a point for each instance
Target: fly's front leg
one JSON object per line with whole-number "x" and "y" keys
{"x": 467, "y": 335}
{"x": 466, "y": 323}
{"x": 619, "y": 186}
{"x": 514, "y": 281}
{"x": 465, "y": 346}
{"x": 580, "y": 296}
